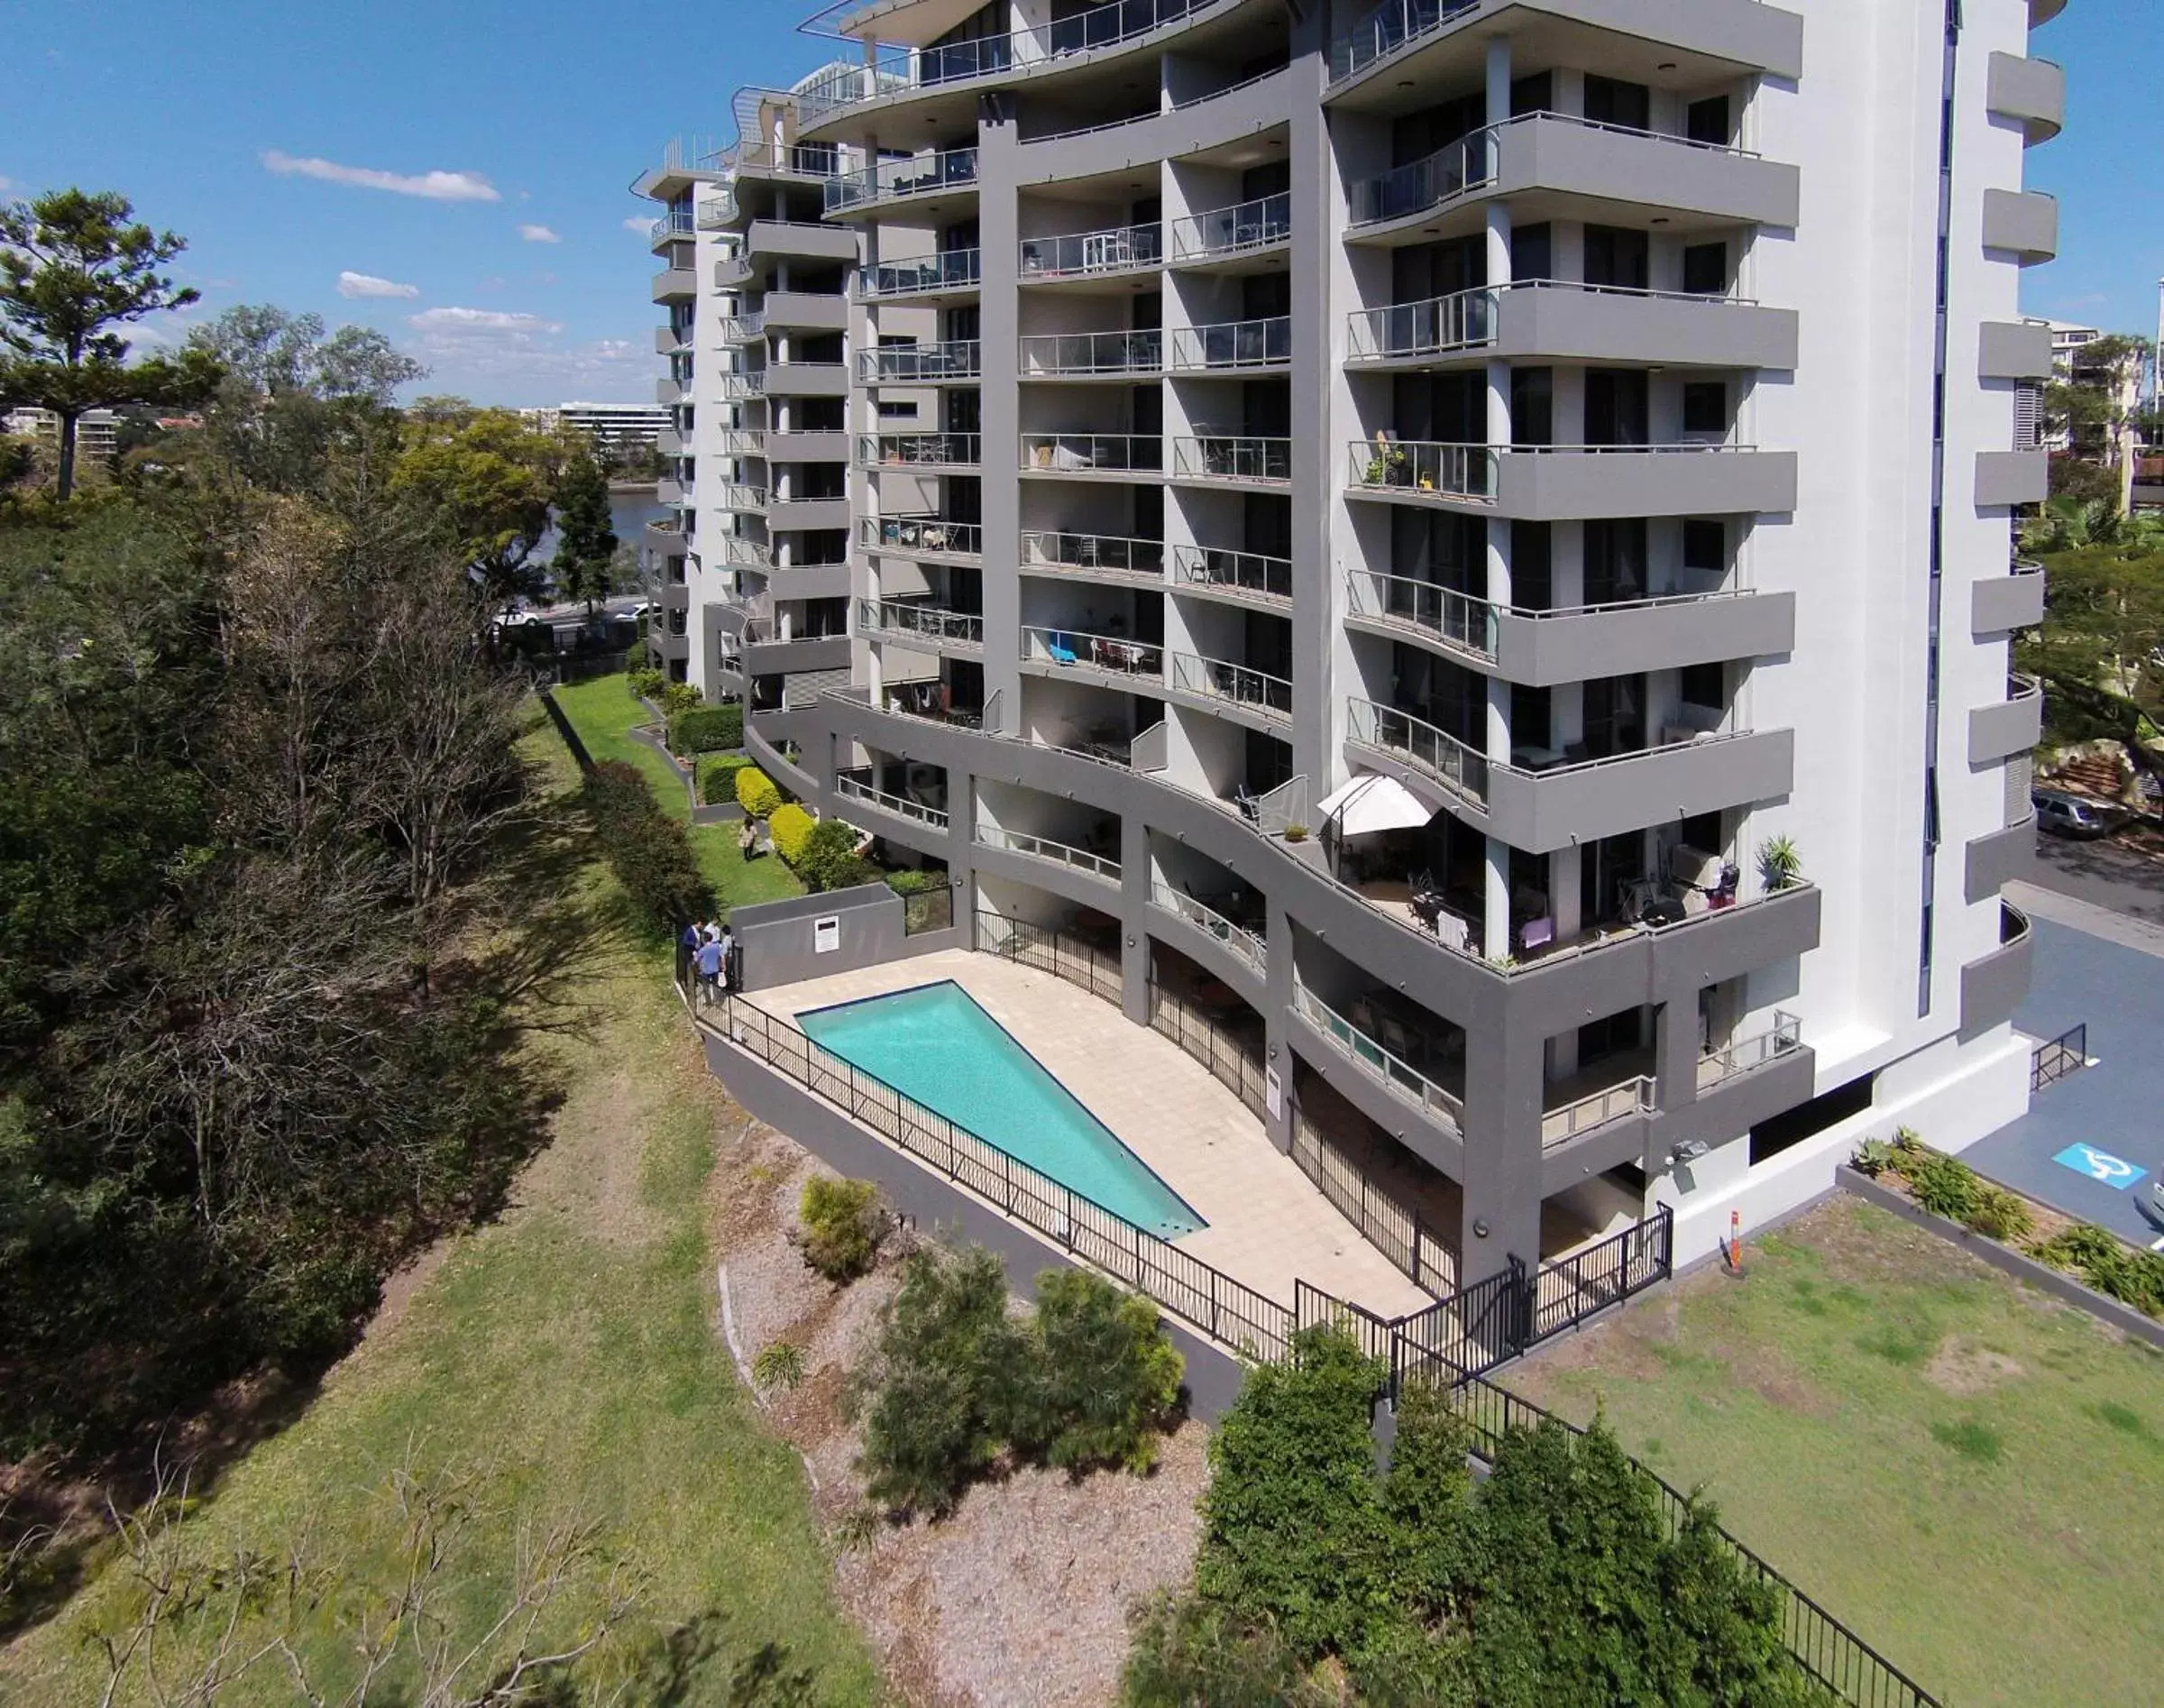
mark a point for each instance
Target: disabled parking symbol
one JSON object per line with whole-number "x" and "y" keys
{"x": 2114, "y": 1172}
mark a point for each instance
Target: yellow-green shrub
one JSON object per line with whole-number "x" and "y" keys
{"x": 756, "y": 792}
{"x": 791, "y": 828}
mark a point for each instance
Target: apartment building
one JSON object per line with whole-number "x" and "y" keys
{"x": 612, "y": 427}
{"x": 1466, "y": 531}
{"x": 97, "y": 431}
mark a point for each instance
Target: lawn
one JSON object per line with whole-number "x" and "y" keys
{"x": 564, "y": 1359}
{"x": 604, "y": 712}
{"x": 1970, "y": 1476}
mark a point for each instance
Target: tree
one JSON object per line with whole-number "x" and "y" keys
{"x": 2096, "y": 407}
{"x": 585, "y": 562}
{"x": 72, "y": 267}
{"x": 489, "y": 478}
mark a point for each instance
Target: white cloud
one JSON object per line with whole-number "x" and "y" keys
{"x": 538, "y": 235}
{"x": 352, "y": 284}
{"x": 638, "y": 223}
{"x": 435, "y": 187}
{"x": 480, "y": 322}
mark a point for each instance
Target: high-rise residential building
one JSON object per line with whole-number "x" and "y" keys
{"x": 1484, "y": 530}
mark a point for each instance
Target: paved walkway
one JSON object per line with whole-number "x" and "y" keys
{"x": 2107, "y": 971}
{"x": 1268, "y": 1224}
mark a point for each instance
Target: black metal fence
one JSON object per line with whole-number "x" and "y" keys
{"x": 1055, "y": 952}
{"x": 2067, "y": 1054}
{"x": 927, "y": 910}
{"x": 1384, "y": 1220}
{"x": 1232, "y": 1054}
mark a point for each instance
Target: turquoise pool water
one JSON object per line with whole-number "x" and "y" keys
{"x": 935, "y": 1044}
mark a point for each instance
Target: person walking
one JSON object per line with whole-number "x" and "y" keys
{"x": 710, "y": 970}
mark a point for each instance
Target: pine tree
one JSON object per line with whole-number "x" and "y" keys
{"x": 585, "y": 542}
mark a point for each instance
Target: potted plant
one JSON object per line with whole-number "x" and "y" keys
{"x": 1780, "y": 866}
{"x": 1296, "y": 832}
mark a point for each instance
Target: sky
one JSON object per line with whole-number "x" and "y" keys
{"x": 457, "y": 174}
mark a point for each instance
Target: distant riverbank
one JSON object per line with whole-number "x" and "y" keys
{"x": 632, "y": 486}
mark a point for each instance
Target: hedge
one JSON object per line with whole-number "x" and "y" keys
{"x": 912, "y": 880}
{"x": 647, "y": 685}
{"x": 707, "y": 730}
{"x": 718, "y": 778}
{"x": 791, "y": 828}
{"x": 647, "y": 850}
{"x": 756, "y": 792}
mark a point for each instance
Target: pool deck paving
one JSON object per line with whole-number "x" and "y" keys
{"x": 1268, "y": 1225}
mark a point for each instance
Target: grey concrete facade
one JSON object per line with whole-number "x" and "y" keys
{"x": 2025, "y": 223}
{"x": 2008, "y": 602}
{"x": 2013, "y": 350}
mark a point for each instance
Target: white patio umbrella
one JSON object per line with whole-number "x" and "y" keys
{"x": 1370, "y": 803}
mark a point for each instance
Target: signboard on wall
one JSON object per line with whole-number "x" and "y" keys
{"x": 1273, "y": 1093}
{"x": 826, "y": 934}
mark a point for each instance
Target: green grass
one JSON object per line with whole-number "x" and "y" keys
{"x": 604, "y": 712}
{"x": 1964, "y": 1472}
{"x": 566, "y": 1359}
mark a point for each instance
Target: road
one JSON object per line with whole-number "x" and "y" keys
{"x": 2102, "y": 873}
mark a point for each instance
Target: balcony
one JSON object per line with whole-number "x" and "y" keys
{"x": 807, "y": 379}
{"x": 1367, "y": 1055}
{"x": 920, "y": 364}
{"x": 925, "y": 451}
{"x": 1233, "y": 345}
{"x": 1043, "y": 847}
{"x": 1107, "y": 655}
{"x": 676, "y": 223}
{"x": 1558, "y": 321}
{"x": 668, "y": 340}
{"x": 742, "y": 441}
{"x": 1221, "y": 682}
{"x": 949, "y": 272}
{"x": 1573, "y": 644}
{"x": 2013, "y": 725}
{"x": 676, "y": 284}
{"x": 1090, "y": 354}
{"x": 1227, "y": 233}
{"x": 1242, "y": 460}
{"x": 740, "y": 329}
{"x": 925, "y": 535}
{"x": 1246, "y": 577}
{"x": 1243, "y": 944}
{"x": 741, "y": 387}
{"x": 1101, "y": 557}
{"x": 1567, "y": 482}
{"x": 805, "y": 311}
{"x": 801, "y": 239}
{"x": 745, "y": 554}
{"x": 734, "y": 496}
{"x": 1746, "y": 1054}
{"x": 1090, "y": 254}
{"x": 951, "y": 633}
{"x": 1999, "y": 603}
{"x": 911, "y": 179}
{"x": 1115, "y": 453}
{"x": 854, "y": 788}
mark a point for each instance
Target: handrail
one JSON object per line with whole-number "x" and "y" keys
{"x": 1459, "y": 619}
{"x": 1080, "y": 453}
{"x": 1249, "y": 572}
{"x": 756, "y": 554}
{"x": 744, "y": 442}
{"x": 922, "y": 536}
{"x": 1045, "y": 848}
{"x": 1422, "y": 465}
{"x": 1393, "y": 1072}
{"x": 1242, "y": 942}
{"x": 1078, "y": 255}
{"x": 1234, "y": 229}
{"x": 851, "y": 788}
{"x": 1056, "y": 547}
{"x": 743, "y": 328}
{"x": 894, "y": 180}
{"x": 1233, "y": 457}
{"x": 1390, "y": 26}
{"x": 1114, "y": 653}
{"x": 920, "y": 364}
{"x": 919, "y": 450}
{"x": 1435, "y": 751}
{"x": 1743, "y": 1054}
{"x": 1058, "y": 352}
{"x": 1144, "y": 116}
{"x": 736, "y": 496}
{"x": 1634, "y": 1095}
{"x": 1233, "y": 344}
{"x": 1221, "y": 679}
{"x": 945, "y": 269}
{"x": 932, "y": 623}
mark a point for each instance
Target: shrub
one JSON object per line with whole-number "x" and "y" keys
{"x": 912, "y": 880}
{"x": 1189, "y": 1650}
{"x": 2108, "y": 1263}
{"x": 1942, "y": 1185}
{"x": 1998, "y": 1214}
{"x": 1107, "y": 1376}
{"x": 842, "y": 1226}
{"x": 679, "y": 696}
{"x": 756, "y": 792}
{"x": 937, "y": 1395}
{"x": 779, "y": 1366}
{"x": 791, "y": 827}
{"x": 645, "y": 685}
{"x": 718, "y": 778}
{"x": 829, "y": 859}
{"x": 707, "y": 730}
{"x": 648, "y": 851}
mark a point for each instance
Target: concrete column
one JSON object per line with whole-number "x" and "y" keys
{"x": 1135, "y": 933}
{"x": 1498, "y": 79}
{"x": 999, "y": 329}
{"x": 1501, "y": 1215}
{"x": 1676, "y": 1048}
{"x": 1495, "y": 923}
{"x": 1277, "y": 1034}
{"x": 1315, "y": 374}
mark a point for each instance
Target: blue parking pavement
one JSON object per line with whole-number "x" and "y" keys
{"x": 2093, "y": 1144}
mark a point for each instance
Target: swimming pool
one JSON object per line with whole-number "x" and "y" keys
{"x": 935, "y": 1044}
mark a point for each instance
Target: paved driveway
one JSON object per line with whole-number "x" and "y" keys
{"x": 2117, "y": 1106}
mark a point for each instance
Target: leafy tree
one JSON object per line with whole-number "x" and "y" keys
{"x": 489, "y": 479}
{"x": 1107, "y": 1376}
{"x": 2097, "y": 647}
{"x": 829, "y": 860}
{"x": 585, "y": 561}
{"x": 73, "y": 267}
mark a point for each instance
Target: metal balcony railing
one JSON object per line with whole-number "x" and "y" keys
{"x": 736, "y": 496}
{"x": 1611, "y": 1103}
{"x": 1755, "y": 1051}
{"x": 897, "y": 179}
{"x": 919, "y": 450}
{"x": 1240, "y": 572}
{"x": 1218, "y": 457}
{"x": 738, "y": 387}
{"x": 1045, "y": 848}
{"x": 743, "y": 328}
{"x": 1233, "y": 344}
{"x": 1422, "y": 465}
{"x": 1054, "y": 549}
{"x": 857, "y": 789}
{"x": 678, "y": 222}
{"x": 1435, "y": 751}
{"x": 1221, "y": 679}
{"x": 1466, "y": 164}
{"x": 927, "y": 622}
{"x": 1372, "y": 1059}
{"x": 1111, "y": 653}
{"x": 1465, "y": 319}
{"x": 922, "y": 535}
{"x": 949, "y": 270}
{"x": 1387, "y": 29}
{"x": 743, "y": 441}
{"x": 1088, "y": 352}
{"x": 1457, "y": 618}
{"x": 1078, "y": 255}
{"x": 754, "y": 553}
{"x": 920, "y": 364}
{"x": 1230, "y": 231}
{"x": 1238, "y": 938}
{"x": 1081, "y": 452}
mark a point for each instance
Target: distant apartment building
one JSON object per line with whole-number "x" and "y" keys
{"x": 97, "y": 431}
{"x": 1388, "y": 507}
{"x": 612, "y": 427}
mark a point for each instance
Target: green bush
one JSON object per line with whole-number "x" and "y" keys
{"x": 1190, "y": 1651}
{"x": 718, "y": 778}
{"x": 756, "y": 792}
{"x": 791, "y": 828}
{"x": 707, "y": 730}
{"x": 646, "y": 849}
{"x": 828, "y": 858}
{"x": 912, "y": 880}
{"x": 842, "y": 1226}
{"x": 679, "y": 696}
{"x": 646, "y": 684}
{"x": 2108, "y": 1263}
{"x": 1942, "y": 1185}
{"x": 1998, "y": 1214}
{"x": 1107, "y": 1376}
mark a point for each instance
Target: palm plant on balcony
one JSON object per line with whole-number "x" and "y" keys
{"x": 1780, "y": 865}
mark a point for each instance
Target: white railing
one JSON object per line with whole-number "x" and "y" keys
{"x": 1056, "y": 550}
{"x": 1062, "y": 352}
{"x": 1612, "y": 1102}
{"x": 1233, "y": 344}
{"x": 1081, "y": 452}
{"x": 1387, "y": 29}
{"x": 735, "y": 497}
{"x": 1244, "y": 572}
{"x": 1223, "y": 457}
{"x": 737, "y": 388}
{"x": 1044, "y": 848}
{"x": 929, "y": 622}
{"x": 1372, "y": 1059}
{"x": 920, "y": 536}
{"x": 1230, "y": 231}
{"x": 949, "y": 270}
{"x": 1422, "y": 466}
{"x": 1435, "y": 751}
{"x": 1220, "y": 679}
{"x": 896, "y": 180}
{"x": 919, "y": 450}
{"x": 920, "y": 364}
{"x": 1238, "y": 938}
{"x": 1456, "y": 618}
{"x": 1120, "y": 657}
{"x": 1755, "y": 1051}
{"x": 743, "y": 442}
{"x": 754, "y": 553}
{"x": 743, "y": 328}
{"x": 853, "y": 789}
{"x": 1081, "y": 254}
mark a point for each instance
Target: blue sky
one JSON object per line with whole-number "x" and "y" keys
{"x": 264, "y": 135}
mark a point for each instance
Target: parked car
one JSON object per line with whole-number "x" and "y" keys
{"x": 2065, "y": 814}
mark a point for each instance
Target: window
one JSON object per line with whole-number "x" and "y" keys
{"x": 1616, "y": 406}
{"x": 1708, "y": 120}
{"x": 1534, "y": 94}
{"x": 1532, "y": 252}
{"x": 1627, "y": 106}
{"x": 1706, "y": 546}
{"x": 1704, "y": 685}
{"x": 1532, "y": 406}
{"x": 1705, "y": 407}
{"x": 896, "y": 412}
{"x": 1616, "y": 257}
{"x": 1706, "y": 270}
